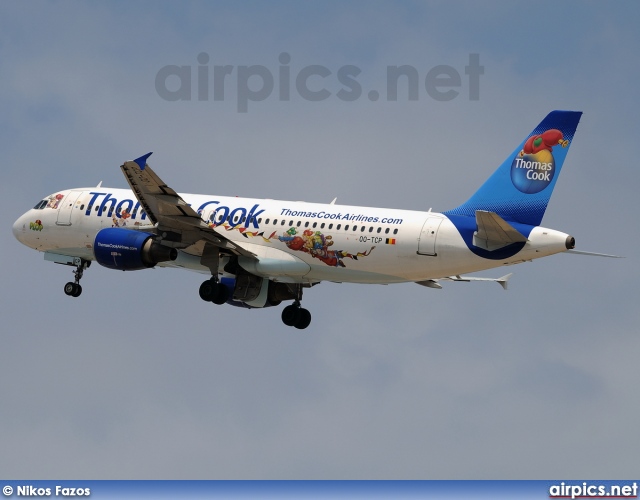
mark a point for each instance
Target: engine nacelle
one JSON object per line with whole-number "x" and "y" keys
{"x": 129, "y": 250}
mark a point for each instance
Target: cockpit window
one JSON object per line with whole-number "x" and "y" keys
{"x": 41, "y": 204}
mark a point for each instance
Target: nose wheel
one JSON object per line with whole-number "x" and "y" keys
{"x": 73, "y": 288}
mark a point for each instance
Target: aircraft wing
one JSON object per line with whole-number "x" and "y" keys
{"x": 177, "y": 224}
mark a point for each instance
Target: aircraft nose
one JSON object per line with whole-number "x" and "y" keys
{"x": 19, "y": 228}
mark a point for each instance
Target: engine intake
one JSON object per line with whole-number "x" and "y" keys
{"x": 129, "y": 250}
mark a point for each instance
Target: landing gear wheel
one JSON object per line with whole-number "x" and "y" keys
{"x": 304, "y": 319}
{"x": 208, "y": 290}
{"x": 222, "y": 295}
{"x": 291, "y": 314}
{"x": 72, "y": 289}
{"x": 212, "y": 291}
{"x": 294, "y": 315}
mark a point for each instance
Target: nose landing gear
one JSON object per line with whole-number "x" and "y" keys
{"x": 73, "y": 288}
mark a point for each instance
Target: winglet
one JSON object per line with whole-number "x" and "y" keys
{"x": 142, "y": 161}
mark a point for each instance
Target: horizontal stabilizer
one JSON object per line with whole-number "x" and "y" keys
{"x": 494, "y": 232}
{"x": 593, "y": 254}
{"x": 503, "y": 281}
{"x": 429, "y": 284}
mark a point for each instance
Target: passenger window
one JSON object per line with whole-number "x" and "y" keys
{"x": 371, "y": 229}
{"x": 346, "y": 228}
{"x": 386, "y": 231}
{"x": 322, "y": 226}
{"x": 362, "y": 229}
{"x": 338, "y": 226}
{"x": 330, "y": 226}
{"x": 379, "y": 229}
{"x": 266, "y": 221}
{"x": 306, "y": 224}
{"x": 282, "y": 223}
{"x": 395, "y": 231}
{"x": 290, "y": 223}
{"x": 315, "y": 224}
{"x": 299, "y": 223}
{"x": 275, "y": 222}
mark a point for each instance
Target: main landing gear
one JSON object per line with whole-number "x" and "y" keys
{"x": 212, "y": 291}
{"x": 295, "y": 315}
{"x": 73, "y": 288}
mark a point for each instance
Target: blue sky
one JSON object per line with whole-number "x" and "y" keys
{"x": 138, "y": 378}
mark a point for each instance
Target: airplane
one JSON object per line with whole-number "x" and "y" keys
{"x": 260, "y": 252}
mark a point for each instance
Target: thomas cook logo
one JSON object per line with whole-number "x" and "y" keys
{"x": 534, "y": 168}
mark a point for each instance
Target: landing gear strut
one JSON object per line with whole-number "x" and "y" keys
{"x": 73, "y": 288}
{"x": 212, "y": 291}
{"x": 294, "y": 314}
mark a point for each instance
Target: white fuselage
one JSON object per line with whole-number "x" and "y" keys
{"x": 294, "y": 241}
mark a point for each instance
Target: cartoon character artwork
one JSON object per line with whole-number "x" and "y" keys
{"x": 36, "y": 226}
{"x": 311, "y": 242}
{"x": 54, "y": 200}
{"x": 533, "y": 168}
{"x": 124, "y": 215}
{"x": 317, "y": 245}
{"x": 242, "y": 230}
{"x": 544, "y": 141}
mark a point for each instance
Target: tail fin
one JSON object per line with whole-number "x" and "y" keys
{"x": 520, "y": 189}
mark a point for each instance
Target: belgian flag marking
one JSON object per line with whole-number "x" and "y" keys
{"x": 391, "y": 241}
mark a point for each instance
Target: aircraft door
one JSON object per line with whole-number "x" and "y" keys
{"x": 66, "y": 207}
{"x": 428, "y": 235}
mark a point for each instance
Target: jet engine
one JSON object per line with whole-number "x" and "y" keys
{"x": 129, "y": 250}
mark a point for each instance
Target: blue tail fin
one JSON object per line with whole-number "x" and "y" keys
{"x": 520, "y": 189}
